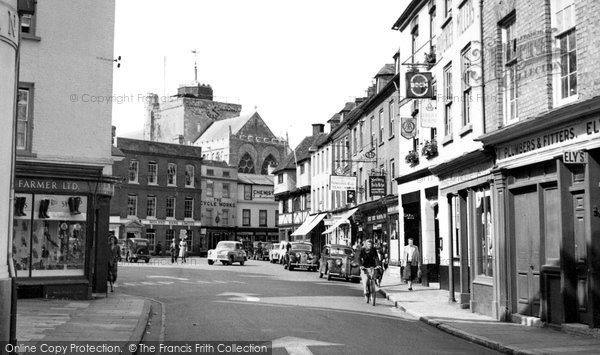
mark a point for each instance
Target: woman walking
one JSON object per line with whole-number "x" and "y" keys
{"x": 183, "y": 250}
{"x": 412, "y": 258}
{"x": 114, "y": 253}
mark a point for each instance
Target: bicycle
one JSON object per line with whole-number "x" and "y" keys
{"x": 371, "y": 290}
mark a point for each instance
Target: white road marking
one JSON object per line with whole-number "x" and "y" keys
{"x": 167, "y": 277}
{"x": 298, "y": 346}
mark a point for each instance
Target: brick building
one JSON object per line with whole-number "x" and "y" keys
{"x": 159, "y": 196}
{"x": 541, "y": 76}
{"x": 256, "y": 210}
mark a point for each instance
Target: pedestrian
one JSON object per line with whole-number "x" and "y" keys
{"x": 357, "y": 245}
{"x": 183, "y": 250}
{"x": 412, "y": 266}
{"x": 158, "y": 249}
{"x": 174, "y": 251}
{"x": 114, "y": 253}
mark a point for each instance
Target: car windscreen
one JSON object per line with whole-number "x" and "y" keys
{"x": 341, "y": 251}
{"x": 226, "y": 246}
{"x": 301, "y": 247}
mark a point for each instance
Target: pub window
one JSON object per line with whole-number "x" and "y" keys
{"x": 131, "y": 205}
{"x": 152, "y": 173}
{"x": 170, "y": 207}
{"x": 262, "y": 218}
{"x": 49, "y": 235}
{"x": 484, "y": 232}
{"x": 133, "y": 171}
{"x": 170, "y": 237}
{"x": 172, "y": 174}
{"x": 151, "y": 206}
{"x": 245, "y": 217}
{"x": 188, "y": 207}
{"x": 189, "y": 176}
{"x": 151, "y": 236}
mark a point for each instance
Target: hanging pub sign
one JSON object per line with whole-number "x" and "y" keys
{"x": 418, "y": 85}
{"x": 408, "y": 127}
{"x": 377, "y": 185}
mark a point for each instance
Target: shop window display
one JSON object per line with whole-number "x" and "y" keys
{"x": 49, "y": 235}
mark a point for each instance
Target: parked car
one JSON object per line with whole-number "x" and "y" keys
{"x": 339, "y": 261}
{"x": 138, "y": 249}
{"x": 227, "y": 252}
{"x": 301, "y": 256}
{"x": 278, "y": 252}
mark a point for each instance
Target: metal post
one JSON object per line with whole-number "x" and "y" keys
{"x": 451, "y": 298}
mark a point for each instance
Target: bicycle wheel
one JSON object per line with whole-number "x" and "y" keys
{"x": 373, "y": 291}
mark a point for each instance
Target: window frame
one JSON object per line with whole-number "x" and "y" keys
{"x": 171, "y": 208}
{"x": 391, "y": 119}
{"x": 249, "y": 217}
{"x": 210, "y": 188}
{"x": 568, "y": 34}
{"x": 136, "y": 163}
{"x": 154, "y": 175}
{"x": 247, "y": 195}
{"x": 448, "y": 100}
{"x": 467, "y": 89}
{"x": 263, "y": 214}
{"x": 30, "y": 88}
{"x": 172, "y": 174}
{"x": 33, "y": 25}
{"x": 381, "y": 126}
{"x": 225, "y": 217}
{"x": 151, "y": 207}
{"x": 510, "y": 92}
{"x": 228, "y": 194}
{"x": 132, "y": 198}
{"x": 189, "y": 175}
{"x": 188, "y": 206}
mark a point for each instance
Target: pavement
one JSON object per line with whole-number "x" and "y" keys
{"x": 116, "y": 318}
{"x": 430, "y": 305}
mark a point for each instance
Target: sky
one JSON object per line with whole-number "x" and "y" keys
{"x": 296, "y": 62}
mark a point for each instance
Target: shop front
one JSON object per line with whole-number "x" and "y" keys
{"x": 465, "y": 186}
{"x": 339, "y": 229}
{"x": 545, "y": 193}
{"x": 60, "y": 229}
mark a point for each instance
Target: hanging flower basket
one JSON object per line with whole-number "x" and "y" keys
{"x": 430, "y": 59}
{"x": 430, "y": 149}
{"x": 412, "y": 158}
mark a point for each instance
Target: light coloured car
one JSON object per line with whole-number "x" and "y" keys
{"x": 227, "y": 252}
{"x": 277, "y": 254}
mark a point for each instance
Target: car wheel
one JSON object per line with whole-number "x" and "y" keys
{"x": 147, "y": 261}
{"x": 290, "y": 267}
{"x": 231, "y": 260}
{"x": 242, "y": 263}
{"x": 210, "y": 262}
{"x": 224, "y": 262}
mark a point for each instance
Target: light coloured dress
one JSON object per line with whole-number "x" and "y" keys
{"x": 182, "y": 249}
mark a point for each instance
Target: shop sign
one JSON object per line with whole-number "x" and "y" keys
{"x": 263, "y": 193}
{"x": 568, "y": 134}
{"x": 9, "y": 24}
{"x": 575, "y": 157}
{"x": 377, "y": 185}
{"x": 418, "y": 85}
{"x": 392, "y": 209}
{"x": 342, "y": 183}
{"x": 408, "y": 127}
{"x": 378, "y": 217}
{"x": 428, "y": 113}
{"x": 216, "y": 202}
{"x": 37, "y": 185}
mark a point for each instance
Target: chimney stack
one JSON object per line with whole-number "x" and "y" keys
{"x": 318, "y": 128}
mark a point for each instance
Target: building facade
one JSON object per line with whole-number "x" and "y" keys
{"x": 159, "y": 197}
{"x": 256, "y": 212}
{"x": 63, "y": 183}
{"x": 544, "y": 130}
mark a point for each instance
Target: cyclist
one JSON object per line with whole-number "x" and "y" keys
{"x": 368, "y": 259}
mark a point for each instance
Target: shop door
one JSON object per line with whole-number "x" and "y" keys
{"x": 581, "y": 259}
{"x": 527, "y": 251}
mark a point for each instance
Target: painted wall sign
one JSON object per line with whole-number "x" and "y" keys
{"x": 418, "y": 85}
{"x": 575, "y": 157}
{"x": 342, "y": 183}
{"x": 216, "y": 202}
{"x": 263, "y": 193}
{"x": 568, "y": 134}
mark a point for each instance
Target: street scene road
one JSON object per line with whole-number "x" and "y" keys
{"x": 261, "y": 301}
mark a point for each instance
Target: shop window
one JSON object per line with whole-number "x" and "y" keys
{"x": 484, "y": 232}
{"x": 151, "y": 206}
{"x": 24, "y": 117}
{"x": 189, "y": 176}
{"x": 152, "y": 173}
{"x": 151, "y": 236}
{"x": 133, "y": 171}
{"x": 170, "y": 237}
{"x": 226, "y": 192}
{"x": 246, "y": 218}
{"x": 172, "y": 174}
{"x": 50, "y": 235}
{"x": 262, "y": 218}
{"x": 131, "y": 205}
{"x": 170, "y": 207}
{"x": 210, "y": 187}
{"x": 188, "y": 207}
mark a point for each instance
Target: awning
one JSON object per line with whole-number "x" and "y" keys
{"x": 343, "y": 219}
{"x": 309, "y": 224}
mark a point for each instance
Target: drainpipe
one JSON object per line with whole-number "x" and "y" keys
{"x": 482, "y": 63}
{"x": 451, "y": 298}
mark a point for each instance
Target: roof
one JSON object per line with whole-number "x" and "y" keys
{"x": 302, "y": 152}
{"x": 116, "y": 152}
{"x": 410, "y": 11}
{"x": 220, "y": 129}
{"x": 388, "y": 69}
{"x": 253, "y": 179}
{"x": 220, "y": 163}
